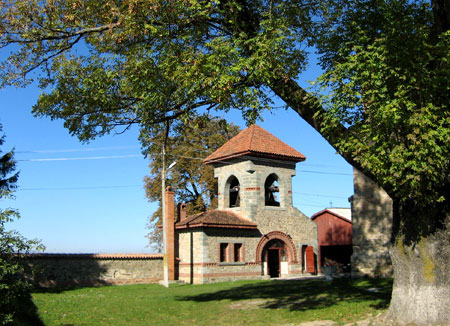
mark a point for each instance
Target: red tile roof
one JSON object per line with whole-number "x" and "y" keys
{"x": 216, "y": 218}
{"x": 257, "y": 142}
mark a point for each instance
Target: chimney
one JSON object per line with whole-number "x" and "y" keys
{"x": 170, "y": 231}
{"x": 181, "y": 209}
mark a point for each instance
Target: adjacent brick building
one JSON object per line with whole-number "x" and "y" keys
{"x": 255, "y": 232}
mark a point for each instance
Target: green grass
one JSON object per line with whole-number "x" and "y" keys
{"x": 232, "y": 303}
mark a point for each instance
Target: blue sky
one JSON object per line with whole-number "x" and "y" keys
{"x": 90, "y": 198}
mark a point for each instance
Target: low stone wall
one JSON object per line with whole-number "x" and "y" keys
{"x": 60, "y": 270}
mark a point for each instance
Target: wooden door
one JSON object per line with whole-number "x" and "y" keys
{"x": 310, "y": 260}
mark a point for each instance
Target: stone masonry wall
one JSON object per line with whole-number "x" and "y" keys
{"x": 252, "y": 174}
{"x": 291, "y": 221}
{"x": 372, "y": 225}
{"x": 58, "y": 270}
{"x": 200, "y": 255}
{"x": 199, "y": 248}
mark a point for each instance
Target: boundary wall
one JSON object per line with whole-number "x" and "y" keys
{"x": 62, "y": 270}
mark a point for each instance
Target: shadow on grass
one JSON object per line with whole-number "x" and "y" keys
{"x": 301, "y": 295}
{"x": 27, "y": 314}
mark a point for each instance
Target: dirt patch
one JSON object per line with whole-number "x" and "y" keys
{"x": 250, "y": 304}
{"x": 368, "y": 321}
{"x": 319, "y": 323}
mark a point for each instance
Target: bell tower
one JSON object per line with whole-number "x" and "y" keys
{"x": 254, "y": 171}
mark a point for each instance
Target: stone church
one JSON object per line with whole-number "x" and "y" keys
{"x": 256, "y": 232}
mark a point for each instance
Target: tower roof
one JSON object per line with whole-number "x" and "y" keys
{"x": 255, "y": 141}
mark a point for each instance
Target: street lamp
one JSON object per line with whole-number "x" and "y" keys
{"x": 163, "y": 203}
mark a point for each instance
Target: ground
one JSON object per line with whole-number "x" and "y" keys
{"x": 286, "y": 303}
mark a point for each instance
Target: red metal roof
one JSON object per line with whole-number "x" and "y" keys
{"x": 326, "y": 210}
{"x": 216, "y": 218}
{"x": 257, "y": 142}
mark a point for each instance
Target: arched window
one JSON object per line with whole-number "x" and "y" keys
{"x": 234, "y": 196}
{"x": 271, "y": 190}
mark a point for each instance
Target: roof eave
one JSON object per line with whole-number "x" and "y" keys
{"x": 215, "y": 225}
{"x": 255, "y": 153}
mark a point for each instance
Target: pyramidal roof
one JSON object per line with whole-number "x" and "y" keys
{"x": 255, "y": 141}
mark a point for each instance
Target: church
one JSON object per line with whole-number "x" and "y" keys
{"x": 256, "y": 232}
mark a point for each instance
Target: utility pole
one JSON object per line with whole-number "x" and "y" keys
{"x": 163, "y": 205}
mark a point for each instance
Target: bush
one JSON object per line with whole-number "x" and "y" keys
{"x": 14, "y": 288}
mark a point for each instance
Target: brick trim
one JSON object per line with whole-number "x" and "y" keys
{"x": 216, "y": 264}
{"x": 252, "y": 189}
{"x": 290, "y": 246}
{"x": 221, "y": 274}
{"x": 94, "y": 256}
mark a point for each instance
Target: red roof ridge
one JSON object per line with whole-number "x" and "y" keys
{"x": 316, "y": 215}
{"x": 256, "y": 141}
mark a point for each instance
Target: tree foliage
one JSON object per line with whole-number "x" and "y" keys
{"x": 388, "y": 72}
{"x": 14, "y": 289}
{"x": 384, "y": 106}
{"x": 193, "y": 182}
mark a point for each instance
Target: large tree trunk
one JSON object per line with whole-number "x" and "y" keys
{"x": 420, "y": 256}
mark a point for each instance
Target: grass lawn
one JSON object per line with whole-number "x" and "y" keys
{"x": 232, "y": 303}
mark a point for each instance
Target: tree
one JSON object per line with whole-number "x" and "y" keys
{"x": 387, "y": 114}
{"x": 15, "y": 299}
{"x": 193, "y": 182}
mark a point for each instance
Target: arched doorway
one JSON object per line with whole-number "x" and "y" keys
{"x": 275, "y": 251}
{"x": 275, "y": 258}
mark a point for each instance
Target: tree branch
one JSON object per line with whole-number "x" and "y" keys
{"x": 309, "y": 108}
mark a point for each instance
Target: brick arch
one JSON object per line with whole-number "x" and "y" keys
{"x": 290, "y": 247}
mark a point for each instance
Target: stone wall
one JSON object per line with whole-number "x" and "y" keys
{"x": 372, "y": 225}
{"x": 291, "y": 221}
{"x": 199, "y": 249}
{"x": 252, "y": 174}
{"x": 199, "y": 252}
{"x": 59, "y": 270}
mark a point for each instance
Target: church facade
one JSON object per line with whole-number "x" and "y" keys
{"x": 256, "y": 232}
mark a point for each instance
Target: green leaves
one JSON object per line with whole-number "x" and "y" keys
{"x": 390, "y": 85}
{"x": 110, "y": 64}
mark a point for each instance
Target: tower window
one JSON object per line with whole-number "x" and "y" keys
{"x": 271, "y": 191}
{"x": 234, "y": 192}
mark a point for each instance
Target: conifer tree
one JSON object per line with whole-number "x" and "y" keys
{"x": 15, "y": 297}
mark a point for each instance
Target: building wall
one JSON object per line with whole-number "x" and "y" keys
{"x": 372, "y": 225}
{"x": 333, "y": 231}
{"x": 199, "y": 249}
{"x": 58, "y": 270}
{"x": 288, "y": 220}
{"x": 252, "y": 174}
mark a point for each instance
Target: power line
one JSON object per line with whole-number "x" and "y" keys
{"x": 78, "y": 188}
{"x": 317, "y": 195}
{"x": 321, "y": 172}
{"x": 73, "y": 150}
{"x": 79, "y": 158}
{"x": 138, "y": 155}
